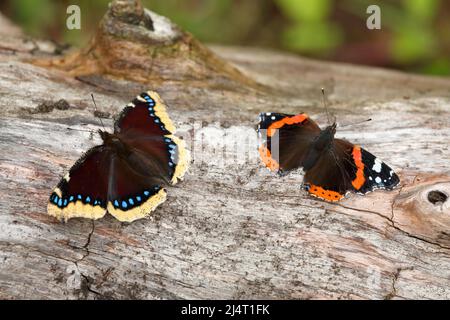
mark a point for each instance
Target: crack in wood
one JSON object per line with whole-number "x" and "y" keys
{"x": 393, "y": 292}
{"x": 392, "y": 223}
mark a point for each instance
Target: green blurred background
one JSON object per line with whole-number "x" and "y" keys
{"x": 414, "y": 35}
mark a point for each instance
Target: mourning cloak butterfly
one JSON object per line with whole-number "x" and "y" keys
{"x": 332, "y": 166}
{"x": 126, "y": 174}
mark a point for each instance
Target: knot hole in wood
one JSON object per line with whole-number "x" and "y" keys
{"x": 437, "y": 197}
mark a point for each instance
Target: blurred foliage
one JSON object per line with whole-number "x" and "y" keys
{"x": 310, "y": 30}
{"x": 306, "y": 10}
{"x": 414, "y": 35}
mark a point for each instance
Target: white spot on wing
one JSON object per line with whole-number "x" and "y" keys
{"x": 377, "y": 165}
{"x": 378, "y": 180}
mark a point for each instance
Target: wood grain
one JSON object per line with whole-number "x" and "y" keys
{"x": 231, "y": 229}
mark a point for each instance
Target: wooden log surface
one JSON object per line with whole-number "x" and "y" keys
{"x": 231, "y": 229}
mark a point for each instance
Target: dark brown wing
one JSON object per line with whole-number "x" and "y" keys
{"x": 154, "y": 157}
{"x": 164, "y": 157}
{"x": 145, "y": 115}
{"x": 335, "y": 172}
{"x": 133, "y": 191}
{"x": 83, "y": 191}
{"x": 347, "y": 167}
{"x": 137, "y": 177}
{"x": 144, "y": 125}
{"x": 285, "y": 139}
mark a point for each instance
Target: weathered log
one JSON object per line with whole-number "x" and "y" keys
{"x": 231, "y": 229}
{"x": 139, "y": 45}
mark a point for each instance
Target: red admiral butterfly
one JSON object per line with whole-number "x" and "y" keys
{"x": 332, "y": 166}
{"x": 125, "y": 175}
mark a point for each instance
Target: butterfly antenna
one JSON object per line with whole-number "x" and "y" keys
{"x": 355, "y": 123}
{"x": 96, "y": 110}
{"x": 325, "y": 106}
{"x": 82, "y": 130}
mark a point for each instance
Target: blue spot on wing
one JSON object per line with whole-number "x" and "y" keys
{"x": 149, "y": 100}
{"x": 116, "y": 203}
{"x": 138, "y": 199}
{"x": 124, "y": 204}
{"x": 131, "y": 201}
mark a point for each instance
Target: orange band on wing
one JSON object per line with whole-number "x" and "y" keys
{"x": 357, "y": 158}
{"x": 266, "y": 157}
{"x": 328, "y": 195}
{"x": 288, "y": 120}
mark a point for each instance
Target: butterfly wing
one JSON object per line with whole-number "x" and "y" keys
{"x": 164, "y": 156}
{"x": 137, "y": 179}
{"x": 347, "y": 167}
{"x": 145, "y": 126}
{"x": 154, "y": 158}
{"x": 126, "y": 181}
{"x": 133, "y": 192}
{"x": 377, "y": 174}
{"x": 285, "y": 139}
{"x": 83, "y": 191}
{"x": 145, "y": 115}
{"x": 332, "y": 175}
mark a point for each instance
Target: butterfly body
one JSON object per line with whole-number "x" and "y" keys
{"x": 113, "y": 143}
{"x": 320, "y": 145}
{"x": 333, "y": 167}
{"x": 125, "y": 175}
